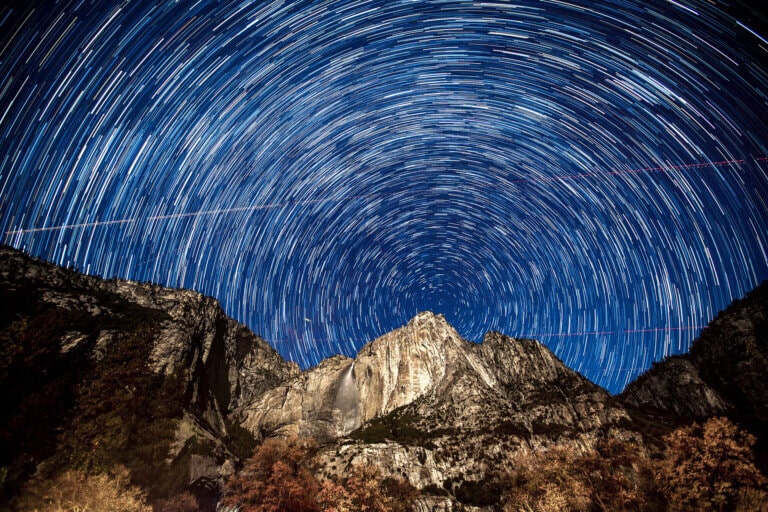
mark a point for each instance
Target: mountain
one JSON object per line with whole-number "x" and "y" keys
{"x": 103, "y": 372}
{"x": 432, "y": 407}
{"x": 724, "y": 373}
{"x": 426, "y": 360}
{"x": 100, "y": 372}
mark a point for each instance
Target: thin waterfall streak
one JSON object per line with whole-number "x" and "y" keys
{"x": 347, "y": 398}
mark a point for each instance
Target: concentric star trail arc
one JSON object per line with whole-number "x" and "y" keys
{"x": 225, "y": 211}
{"x": 595, "y": 172}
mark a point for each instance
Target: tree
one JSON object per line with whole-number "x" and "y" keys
{"x": 619, "y": 477}
{"x": 709, "y": 467}
{"x": 752, "y": 500}
{"x": 183, "y": 502}
{"x": 334, "y": 497}
{"x": 278, "y": 477}
{"x": 76, "y": 491}
{"x": 545, "y": 482}
{"x": 402, "y": 492}
{"x": 364, "y": 485}
{"x": 615, "y": 476}
{"x": 364, "y": 490}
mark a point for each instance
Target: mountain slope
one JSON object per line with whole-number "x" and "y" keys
{"x": 425, "y": 358}
{"x": 440, "y": 411}
{"x": 103, "y": 372}
{"x": 724, "y": 373}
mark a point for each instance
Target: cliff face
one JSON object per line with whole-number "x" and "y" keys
{"x": 236, "y": 364}
{"x": 725, "y": 372}
{"x": 422, "y": 403}
{"x": 390, "y": 372}
{"x": 162, "y": 381}
{"x": 425, "y": 358}
{"x": 495, "y": 400}
{"x": 304, "y": 405}
{"x": 169, "y": 363}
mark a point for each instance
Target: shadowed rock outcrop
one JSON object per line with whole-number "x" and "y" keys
{"x": 79, "y": 355}
{"x": 726, "y": 370}
{"x": 724, "y": 373}
{"x": 161, "y": 380}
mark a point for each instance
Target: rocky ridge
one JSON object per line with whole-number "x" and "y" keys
{"x": 442, "y": 412}
{"x": 724, "y": 373}
{"x": 419, "y": 402}
{"x": 64, "y": 333}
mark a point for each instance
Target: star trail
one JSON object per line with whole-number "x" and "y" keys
{"x": 592, "y": 174}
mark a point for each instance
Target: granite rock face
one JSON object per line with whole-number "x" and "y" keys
{"x": 426, "y": 358}
{"x": 420, "y": 402}
{"x": 676, "y": 386}
{"x": 236, "y": 364}
{"x": 437, "y": 410}
{"x": 390, "y": 372}
{"x": 60, "y": 328}
{"x": 411, "y": 362}
{"x": 496, "y": 400}
{"x": 725, "y": 372}
{"x": 195, "y": 335}
{"x": 305, "y": 405}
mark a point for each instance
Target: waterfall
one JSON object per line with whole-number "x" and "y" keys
{"x": 347, "y": 398}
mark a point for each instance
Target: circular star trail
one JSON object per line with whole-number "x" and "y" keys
{"x": 591, "y": 174}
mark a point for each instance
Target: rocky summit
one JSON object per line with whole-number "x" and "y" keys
{"x": 103, "y": 372}
{"x": 432, "y": 407}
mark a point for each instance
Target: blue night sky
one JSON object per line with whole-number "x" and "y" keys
{"x": 590, "y": 174}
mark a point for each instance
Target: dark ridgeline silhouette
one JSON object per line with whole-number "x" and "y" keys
{"x": 108, "y": 378}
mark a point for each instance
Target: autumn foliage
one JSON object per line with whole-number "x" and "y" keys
{"x": 711, "y": 467}
{"x": 614, "y": 476}
{"x": 706, "y": 467}
{"x": 364, "y": 490}
{"x": 76, "y": 491}
{"x": 546, "y": 482}
{"x": 279, "y": 477}
{"x": 182, "y": 502}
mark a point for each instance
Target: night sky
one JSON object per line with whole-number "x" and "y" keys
{"x": 590, "y": 174}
